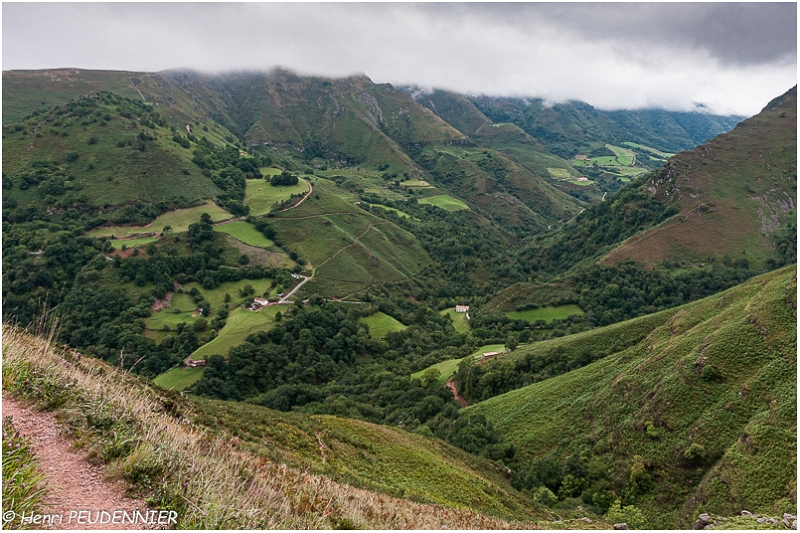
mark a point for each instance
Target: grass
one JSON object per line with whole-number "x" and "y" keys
{"x": 178, "y": 220}
{"x": 393, "y": 210}
{"x": 662, "y": 155}
{"x": 216, "y": 296}
{"x": 24, "y": 487}
{"x": 380, "y": 324}
{"x": 416, "y": 184}
{"x": 742, "y": 416}
{"x": 448, "y": 203}
{"x": 218, "y": 469}
{"x": 582, "y": 183}
{"x": 546, "y": 313}
{"x": 239, "y": 324}
{"x": 179, "y": 378}
{"x": 245, "y": 232}
{"x": 168, "y": 317}
{"x": 260, "y": 196}
{"x": 132, "y": 243}
{"x": 559, "y": 173}
{"x": 448, "y": 368}
{"x": 460, "y": 322}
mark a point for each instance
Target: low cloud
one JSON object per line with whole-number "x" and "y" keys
{"x": 733, "y": 58}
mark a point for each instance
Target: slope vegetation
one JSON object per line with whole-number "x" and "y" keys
{"x": 699, "y": 415}
{"x": 731, "y": 193}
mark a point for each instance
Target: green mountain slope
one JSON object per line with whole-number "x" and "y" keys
{"x": 574, "y": 127}
{"x": 99, "y": 150}
{"x": 699, "y": 415}
{"x": 732, "y": 193}
{"x": 726, "y": 200}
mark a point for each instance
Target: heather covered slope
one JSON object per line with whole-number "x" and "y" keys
{"x": 699, "y": 416}
{"x": 732, "y": 193}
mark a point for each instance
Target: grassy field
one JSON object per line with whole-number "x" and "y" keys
{"x": 559, "y": 173}
{"x": 546, "y": 313}
{"x": 659, "y": 153}
{"x": 216, "y": 296}
{"x": 179, "y": 220}
{"x": 269, "y": 171}
{"x": 245, "y": 232}
{"x": 416, "y": 184}
{"x": 260, "y": 196}
{"x": 448, "y": 368}
{"x": 380, "y": 324}
{"x": 394, "y": 210}
{"x": 168, "y": 317}
{"x": 581, "y": 183}
{"x": 448, "y": 203}
{"x": 132, "y": 243}
{"x": 459, "y": 319}
{"x": 179, "y": 378}
{"x": 708, "y": 400}
{"x": 239, "y": 325}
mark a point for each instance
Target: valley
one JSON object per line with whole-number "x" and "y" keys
{"x": 457, "y": 311}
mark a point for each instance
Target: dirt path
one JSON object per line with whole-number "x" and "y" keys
{"x": 310, "y": 190}
{"x": 355, "y": 241}
{"x": 460, "y": 399}
{"x": 74, "y": 483}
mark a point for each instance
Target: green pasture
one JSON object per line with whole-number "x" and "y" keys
{"x": 169, "y": 317}
{"x": 448, "y": 203}
{"x": 238, "y": 326}
{"x": 179, "y": 378}
{"x": 628, "y": 171}
{"x": 619, "y": 151}
{"x": 448, "y": 368}
{"x": 559, "y": 173}
{"x": 581, "y": 183}
{"x": 417, "y": 184}
{"x": 380, "y": 324}
{"x": 270, "y": 171}
{"x": 665, "y": 155}
{"x": 216, "y": 296}
{"x": 459, "y": 319}
{"x": 394, "y": 210}
{"x": 132, "y": 243}
{"x": 546, "y": 313}
{"x": 179, "y": 221}
{"x": 245, "y": 232}
{"x": 260, "y": 196}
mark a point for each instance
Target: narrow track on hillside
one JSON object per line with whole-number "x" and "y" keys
{"x": 310, "y": 190}
{"x": 74, "y": 484}
{"x": 355, "y": 241}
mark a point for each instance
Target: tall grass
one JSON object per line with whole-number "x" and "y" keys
{"x": 145, "y": 435}
{"x": 24, "y": 486}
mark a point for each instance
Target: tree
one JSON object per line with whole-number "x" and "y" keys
{"x": 512, "y": 343}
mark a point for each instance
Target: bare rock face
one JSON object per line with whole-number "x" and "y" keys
{"x": 748, "y": 514}
{"x": 621, "y": 526}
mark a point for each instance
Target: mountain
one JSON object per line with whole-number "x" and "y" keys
{"x": 732, "y": 199}
{"x": 575, "y": 127}
{"x": 697, "y": 414}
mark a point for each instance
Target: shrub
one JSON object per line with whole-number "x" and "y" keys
{"x": 629, "y": 514}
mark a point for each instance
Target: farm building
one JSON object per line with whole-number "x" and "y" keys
{"x": 581, "y": 178}
{"x": 462, "y": 308}
{"x": 258, "y": 303}
{"x": 194, "y": 363}
{"x": 487, "y": 355}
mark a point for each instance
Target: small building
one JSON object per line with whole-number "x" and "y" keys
{"x": 296, "y": 276}
{"x": 581, "y": 178}
{"x": 487, "y": 355}
{"x": 193, "y": 363}
{"x": 462, "y": 308}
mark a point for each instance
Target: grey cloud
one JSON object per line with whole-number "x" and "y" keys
{"x": 731, "y": 57}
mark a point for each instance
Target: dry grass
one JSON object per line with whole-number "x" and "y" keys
{"x": 178, "y": 465}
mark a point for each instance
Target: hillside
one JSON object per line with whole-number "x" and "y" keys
{"x": 699, "y": 416}
{"x": 297, "y": 471}
{"x": 731, "y": 193}
{"x": 731, "y": 200}
{"x": 574, "y": 127}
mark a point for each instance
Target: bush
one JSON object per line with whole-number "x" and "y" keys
{"x": 72, "y": 155}
{"x": 629, "y": 514}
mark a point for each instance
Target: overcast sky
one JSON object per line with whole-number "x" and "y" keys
{"x": 733, "y": 58}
